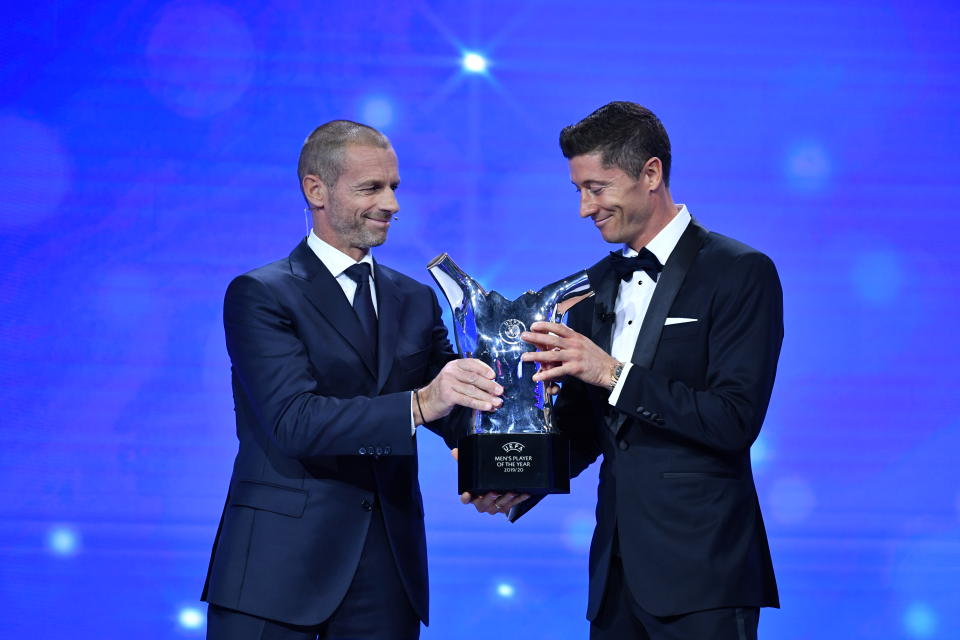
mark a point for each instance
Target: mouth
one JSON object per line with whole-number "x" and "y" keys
{"x": 379, "y": 222}
{"x": 599, "y": 222}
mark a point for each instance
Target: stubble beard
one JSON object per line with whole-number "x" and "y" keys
{"x": 354, "y": 230}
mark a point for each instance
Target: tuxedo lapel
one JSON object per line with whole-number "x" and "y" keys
{"x": 604, "y": 284}
{"x": 388, "y": 320}
{"x": 323, "y": 292}
{"x": 669, "y": 284}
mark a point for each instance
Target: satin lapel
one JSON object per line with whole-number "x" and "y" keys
{"x": 321, "y": 289}
{"x": 671, "y": 279}
{"x": 605, "y": 287}
{"x": 388, "y": 321}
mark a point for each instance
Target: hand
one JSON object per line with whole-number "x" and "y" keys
{"x": 492, "y": 502}
{"x": 562, "y": 352}
{"x": 466, "y": 382}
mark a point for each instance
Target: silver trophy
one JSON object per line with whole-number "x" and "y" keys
{"x": 515, "y": 447}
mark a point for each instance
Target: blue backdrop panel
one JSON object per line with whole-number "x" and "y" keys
{"x": 148, "y": 155}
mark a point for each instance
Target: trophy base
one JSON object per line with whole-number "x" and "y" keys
{"x": 533, "y": 463}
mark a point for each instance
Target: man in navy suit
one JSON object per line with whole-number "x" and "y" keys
{"x": 667, "y": 373}
{"x": 336, "y": 361}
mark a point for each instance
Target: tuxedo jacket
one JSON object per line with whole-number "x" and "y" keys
{"x": 676, "y": 488}
{"x": 324, "y": 438}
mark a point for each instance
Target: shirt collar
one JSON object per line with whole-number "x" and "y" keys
{"x": 663, "y": 243}
{"x": 333, "y": 259}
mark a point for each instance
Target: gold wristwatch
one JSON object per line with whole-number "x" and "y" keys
{"x": 615, "y": 372}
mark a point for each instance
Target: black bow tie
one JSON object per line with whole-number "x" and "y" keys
{"x": 643, "y": 261}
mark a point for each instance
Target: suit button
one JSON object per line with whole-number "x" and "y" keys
{"x": 623, "y": 445}
{"x": 647, "y": 414}
{"x": 363, "y": 451}
{"x": 366, "y": 504}
{"x": 379, "y": 451}
{"x": 387, "y": 450}
{"x": 639, "y": 409}
{"x": 658, "y": 419}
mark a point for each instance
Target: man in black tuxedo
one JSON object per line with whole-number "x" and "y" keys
{"x": 336, "y": 359}
{"x": 667, "y": 372}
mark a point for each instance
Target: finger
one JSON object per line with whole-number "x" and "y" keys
{"x": 455, "y": 452}
{"x": 561, "y": 330}
{"x": 541, "y": 340}
{"x": 473, "y": 365}
{"x": 486, "y": 503}
{"x": 486, "y": 403}
{"x": 553, "y": 389}
{"x": 466, "y": 498}
{"x": 473, "y": 398}
{"x": 515, "y": 499}
{"x": 474, "y": 379}
{"x": 554, "y": 373}
{"x": 547, "y": 356}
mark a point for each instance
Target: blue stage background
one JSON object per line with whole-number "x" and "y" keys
{"x": 148, "y": 155}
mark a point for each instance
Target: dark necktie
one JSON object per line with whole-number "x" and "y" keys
{"x": 363, "y": 304}
{"x": 643, "y": 261}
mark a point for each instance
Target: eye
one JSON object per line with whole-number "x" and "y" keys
{"x": 596, "y": 190}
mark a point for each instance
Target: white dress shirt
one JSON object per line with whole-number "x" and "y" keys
{"x": 634, "y": 296}
{"x": 337, "y": 264}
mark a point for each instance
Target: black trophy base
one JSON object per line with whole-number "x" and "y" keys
{"x": 533, "y": 463}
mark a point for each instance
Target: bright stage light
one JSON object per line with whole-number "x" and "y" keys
{"x": 190, "y": 618}
{"x": 62, "y": 541}
{"x": 505, "y": 590}
{"x": 474, "y": 63}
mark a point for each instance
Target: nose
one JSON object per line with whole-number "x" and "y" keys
{"x": 588, "y": 206}
{"x": 388, "y": 202}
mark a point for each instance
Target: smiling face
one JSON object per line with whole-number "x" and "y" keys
{"x": 623, "y": 208}
{"x": 355, "y": 213}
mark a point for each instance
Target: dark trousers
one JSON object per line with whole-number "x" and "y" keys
{"x": 621, "y": 618}
{"x": 376, "y": 606}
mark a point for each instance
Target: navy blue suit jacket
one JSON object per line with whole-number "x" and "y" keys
{"x": 323, "y": 434}
{"x": 676, "y": 485}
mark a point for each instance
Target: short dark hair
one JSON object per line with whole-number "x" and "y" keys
{"x": 322, "y": 152}
{"x": 624, "y": 133}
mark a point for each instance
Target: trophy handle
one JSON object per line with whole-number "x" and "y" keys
{"x": 459, "y": 289}
{"x": 569, "y": 303}
{"x": 563, "y": 294}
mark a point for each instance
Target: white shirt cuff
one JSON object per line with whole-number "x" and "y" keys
{"x": 615, "y": 394}
{"x": 413, "y": 425}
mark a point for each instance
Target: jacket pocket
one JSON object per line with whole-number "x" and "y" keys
{"x": 286, "y": 501}
{"x": 413, "y": 361}
{"x": 681, "y": 330}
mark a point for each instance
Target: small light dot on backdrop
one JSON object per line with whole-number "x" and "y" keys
{"x": 791, "y": 500}
{"x": 191, "y": 618}
{"x": 808, "y": 166}
{"x": 877, "y": 276}
{"x": 63, "y": 541}
{"x": 920, "y": 621}
{"x": 377, "y": 112}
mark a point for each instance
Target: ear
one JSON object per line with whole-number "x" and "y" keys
{"x": 315, "y": 191}
{"x": 653, "y": 173}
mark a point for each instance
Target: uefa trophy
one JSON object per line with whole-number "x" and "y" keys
{"x": 515, "y": 447}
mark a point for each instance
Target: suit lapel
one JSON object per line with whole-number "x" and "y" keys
{"x": 324, "y": 293}
{"x": 671, "y": 278}
{"x": 388, "y": 321}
